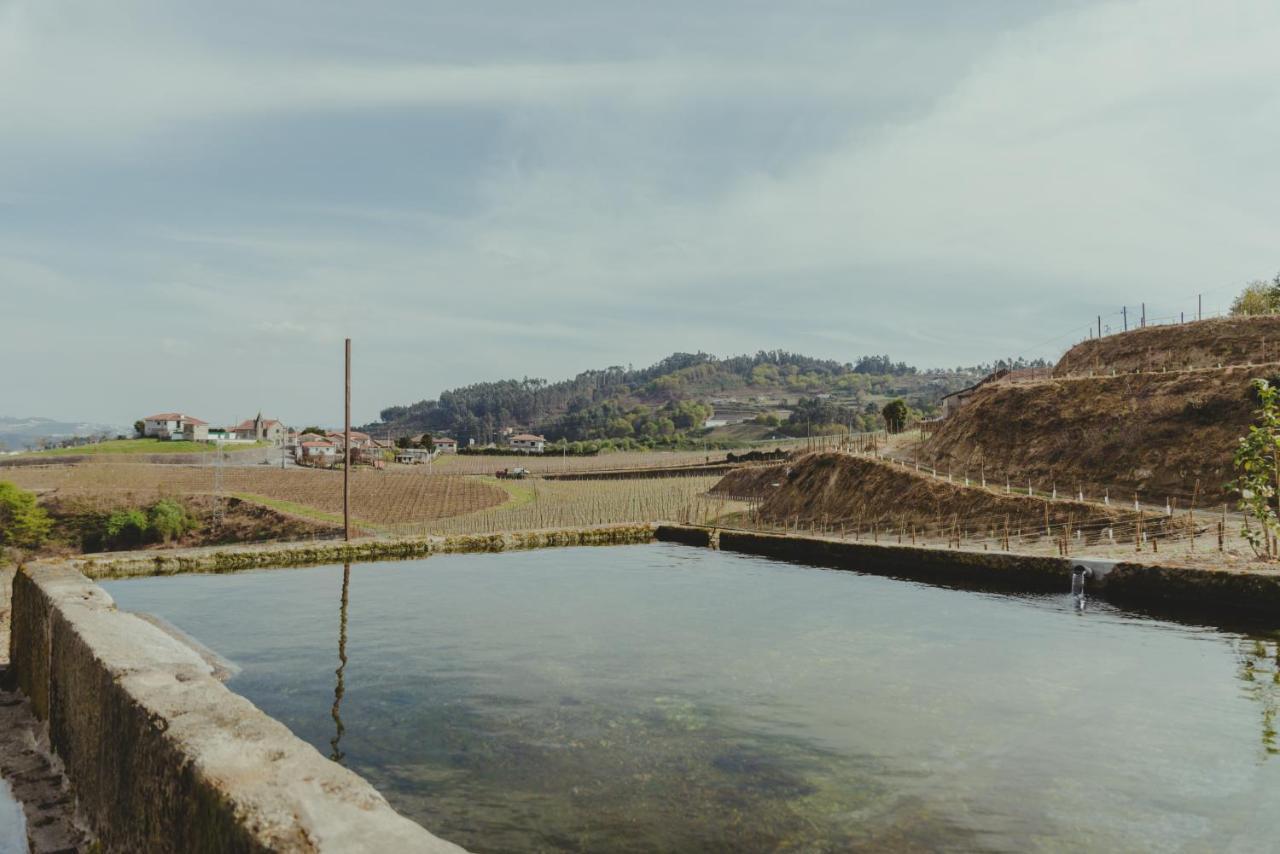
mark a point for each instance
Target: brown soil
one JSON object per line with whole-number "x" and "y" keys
{"x": 241, "y": 521}
{"x": 1204, "y": 344}
{"x": 1155, "y": 434}
{"x": 839, "y": 490}
{"x": 377, "y": 497}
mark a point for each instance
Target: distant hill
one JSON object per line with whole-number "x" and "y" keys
{"x": 19, "y": 433}
{"x": 672, "y": 401}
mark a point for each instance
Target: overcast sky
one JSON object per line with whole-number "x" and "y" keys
{"x": 198, "y": 201}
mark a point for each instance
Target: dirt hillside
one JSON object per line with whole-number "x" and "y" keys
{"x": 1203, "y": 344}
{"x": 834, "y": 489}
{"x": 1152, "y": 433}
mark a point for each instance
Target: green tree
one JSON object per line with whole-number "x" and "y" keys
{"x": 140, "y": 427}
{"x": 319, "y": 431}
{"x": 427, "y": 442}
{"x": 895, "y": 414}
{"x": 1257, "y": 462}
{"x": 404, "y": 442}
{"x": 1258, "y": 298}
{"x": 23, "y": 523}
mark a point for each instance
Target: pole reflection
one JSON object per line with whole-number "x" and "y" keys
{"x": 339, "y": 689}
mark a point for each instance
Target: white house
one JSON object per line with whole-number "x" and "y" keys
{"x": 175, "y": 425}
{"x": 318, "y": 453}
{"x": 527, "y": 443}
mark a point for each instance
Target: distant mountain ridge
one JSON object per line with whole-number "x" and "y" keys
{"x": 18, "y": 433}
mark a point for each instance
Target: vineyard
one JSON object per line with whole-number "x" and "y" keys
{"x": 539, "y": 504}
{"x": 399, "y": 502}
{"x": 377, "y": 497}
{"x": 551, "y": 463}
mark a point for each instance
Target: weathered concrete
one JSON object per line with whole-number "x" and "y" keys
{"x": 1249, "y": 591}
{"x": 35, "y": 777}
{"x": 6, "y": 594}
{"x": 235, "y": 558}
{"x": 161, "y": 755}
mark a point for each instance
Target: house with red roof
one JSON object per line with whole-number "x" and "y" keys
{"x": 175, "y": 425}
{"x": 260, "y": 429}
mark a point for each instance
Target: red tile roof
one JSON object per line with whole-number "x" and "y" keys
{"x": 175, "y": 416}
{"x": 527, "y": 437}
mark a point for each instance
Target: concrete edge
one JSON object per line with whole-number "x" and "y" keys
{"x": 161, "y": 755}
{"x": 1249, "y": 591}
{"x": 262, "y": 556}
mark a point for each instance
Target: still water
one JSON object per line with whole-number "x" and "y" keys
{"x": 664, "y": 698}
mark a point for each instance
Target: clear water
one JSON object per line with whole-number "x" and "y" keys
{"x": 13, "y": 825}
{"x": 663, "y": 698}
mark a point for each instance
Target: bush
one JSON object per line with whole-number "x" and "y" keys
{"x": 126, "y": 529}
{"x": 23, "y": 523}
{"x": 168, "y": 520}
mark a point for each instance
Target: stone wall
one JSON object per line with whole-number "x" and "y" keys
{"x": 161, "y": 755}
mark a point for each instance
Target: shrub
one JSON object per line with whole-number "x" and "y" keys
{"x": 23, "y": 523}
{"x": 126, "y": 528}
{"x": 169, "y": 520}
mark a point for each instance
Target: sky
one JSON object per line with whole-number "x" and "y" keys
{"x": 199, "y": 201}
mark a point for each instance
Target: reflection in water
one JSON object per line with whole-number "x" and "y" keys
{"x": 1260, "y": 671}
{"x": 657, "y": 698}
{"x": 339, "y": 689}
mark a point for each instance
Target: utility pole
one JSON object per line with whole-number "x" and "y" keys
{"x": 1199, "y": 306}
{"x": 1124, "y": 312}
{"x": 1144, "y": 315}
{"x": 346, "y": 448}
{"x": 1099, "y": 326}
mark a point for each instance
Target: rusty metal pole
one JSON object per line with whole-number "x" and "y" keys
{"x": 346, "y": 450}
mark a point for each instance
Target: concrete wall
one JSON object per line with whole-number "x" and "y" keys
{"x": 161, "y": 755}
{"x": 1197, "y": 592}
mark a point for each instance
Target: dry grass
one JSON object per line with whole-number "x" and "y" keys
{"x": 1154, "y": 434}
{"x": 1206, "y": 344}
{"x": 378, "y": 498}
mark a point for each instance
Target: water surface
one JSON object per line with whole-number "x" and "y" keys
{"x": 661, "y": 698}
{"x": 13, "y": 825}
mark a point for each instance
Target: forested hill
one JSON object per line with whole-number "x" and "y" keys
{"x": 668, "y": 400}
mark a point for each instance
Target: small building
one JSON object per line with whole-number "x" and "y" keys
{"x": 318, "y": 453}
{"x": 413, "y": 456}
{"x": 951, "y": 403}
{"x": 260, "y": 429}
{"x": 174, "y": 426}
{"x": 527, "y": 443}
{"x": 445, "y": 445}
{"x": 358, "y": 439}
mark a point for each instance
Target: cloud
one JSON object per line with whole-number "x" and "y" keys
{"x": 478, "y": 195}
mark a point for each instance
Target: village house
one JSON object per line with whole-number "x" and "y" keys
{"x": 527, "y": 443}
{"x": 260, "y": 429}
{"x": 175, "y": 425}
{"x": 445, "y": 445}
{"x": 358, "y": 439}
{"x": 318, "y": 453}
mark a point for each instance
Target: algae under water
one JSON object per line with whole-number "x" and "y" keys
{"x": 663, "y": 698}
